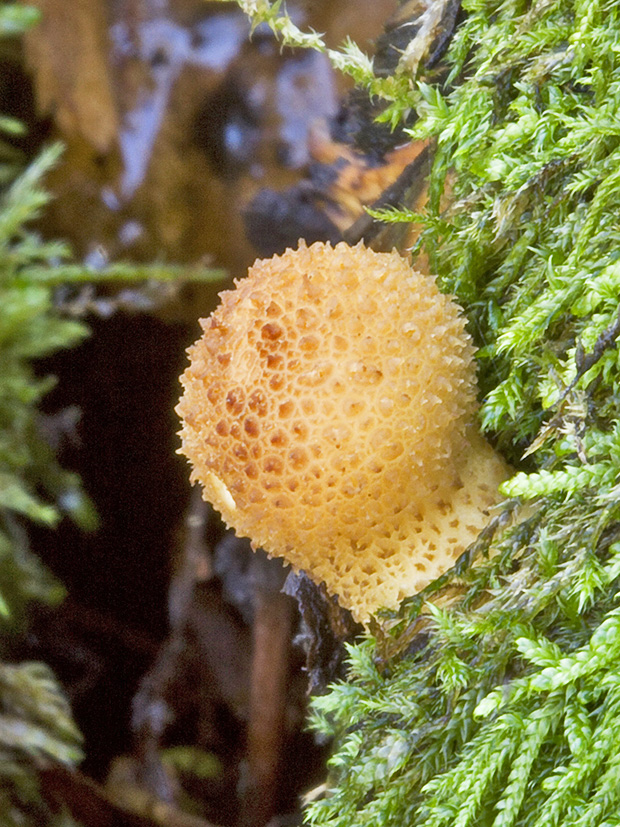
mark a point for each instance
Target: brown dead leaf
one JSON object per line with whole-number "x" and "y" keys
{"x": 359, "y": 180}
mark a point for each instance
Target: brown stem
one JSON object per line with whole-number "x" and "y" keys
{"x": 268, "y": 696}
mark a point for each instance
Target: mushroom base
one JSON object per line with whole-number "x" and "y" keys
{"x": 420, "y": 544}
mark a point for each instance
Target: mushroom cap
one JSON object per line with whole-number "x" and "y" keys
{"x": 327, "y": 413}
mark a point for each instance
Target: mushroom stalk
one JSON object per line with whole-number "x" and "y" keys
{"x": 328, "y": 413}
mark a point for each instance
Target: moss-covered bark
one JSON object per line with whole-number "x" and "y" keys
{"x": 504, "y": 711}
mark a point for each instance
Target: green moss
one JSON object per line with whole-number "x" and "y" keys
{"x": 36, "y": 728}
{"x": 33, "y": 325}
{"x": 504, "y": 708}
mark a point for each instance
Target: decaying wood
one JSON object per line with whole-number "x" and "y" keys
{"x": 203, "y": 640}
{"x": 427, "y": 25}
{"x": 68, "y": 56}
{"x": 325, "y": 628}
{"x": 70, "y": 790}
{"x": 272, "y": 634}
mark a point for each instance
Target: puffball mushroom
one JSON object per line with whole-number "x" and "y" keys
{"x": 328, "y": 412}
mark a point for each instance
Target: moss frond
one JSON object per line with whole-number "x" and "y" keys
{"x": 505, "y": 711}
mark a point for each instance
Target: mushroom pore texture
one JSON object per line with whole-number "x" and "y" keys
{"x": 328, "y": 412}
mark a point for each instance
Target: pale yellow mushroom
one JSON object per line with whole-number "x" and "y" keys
{"x": 328, "y": 412}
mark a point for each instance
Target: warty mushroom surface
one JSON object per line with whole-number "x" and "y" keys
{"x": 328, "y": 412}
